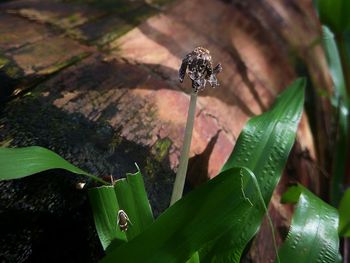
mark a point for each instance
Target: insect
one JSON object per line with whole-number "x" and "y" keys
{"x": 198, "y": 65}
{"x": 123, "y": 220}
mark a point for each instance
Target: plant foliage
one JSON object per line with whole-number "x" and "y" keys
{"x": 263, "y": 147}
{"x": 20, "y": 162}
{"x": 335, "y": 14}
{"x": 341, "y": 104}
{"x": 344, "y": 214}
{"x": 194, "y": 220}
{"x": 313, "y": 235}
{"x": 220, "y": 217}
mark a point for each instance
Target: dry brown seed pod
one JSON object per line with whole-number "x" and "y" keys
{"x": 198, "y": 66}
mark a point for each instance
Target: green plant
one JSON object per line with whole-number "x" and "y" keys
{"x": 336, "y": 43}
{"x": 344, "y": 215}
{"x": 216, "y": 221}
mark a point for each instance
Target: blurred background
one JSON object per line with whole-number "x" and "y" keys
{"x": 97, "y": 82}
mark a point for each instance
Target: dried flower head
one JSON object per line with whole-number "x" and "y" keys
{"x": 199, "y": 68}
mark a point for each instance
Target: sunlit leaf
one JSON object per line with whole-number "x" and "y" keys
{"x": 132, "y": 198}
{"x": 105, "y": 208}
{"x": 313, "y": 235}
{"x": 128, "y": 195}
{"x": 263, "y": 147}
{"x": 196, "y": 219}
{"x": 20, "y": 162}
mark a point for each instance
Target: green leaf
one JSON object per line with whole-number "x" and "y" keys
{"x": 334, "y": 65}
{"x": 105, "y": 209}
{"x": 194, "y": 258}
{"x": 129, "y": 195}
{"x": 132, "y": 198}
{"x": 340, "y": 102}
{"x": 344, "y": 214}
{"x": 335, "y": 14}
{"x": 200, "y": 216}
{"x": 313, "y": 235}
{"x": 20, "y": 162}
{"x": 263, "y": 147}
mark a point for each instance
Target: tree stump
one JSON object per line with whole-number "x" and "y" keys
{"x": 100, "y": 87}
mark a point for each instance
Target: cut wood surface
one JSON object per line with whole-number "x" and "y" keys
{"x": 97, "y": 82}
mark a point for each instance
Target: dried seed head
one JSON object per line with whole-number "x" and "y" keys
{"x": 199, "y": 68}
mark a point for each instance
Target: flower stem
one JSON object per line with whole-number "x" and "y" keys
{"x": 182, "y": 169}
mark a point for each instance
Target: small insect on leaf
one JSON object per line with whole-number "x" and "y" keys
{"x": 80, "y": 185}
{"x": 123, "y": 220}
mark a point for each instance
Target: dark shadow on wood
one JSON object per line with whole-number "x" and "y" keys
{"x": 62, "y": 221}
{"x": 197, "y": 172}
{"x": 104, "y": 76}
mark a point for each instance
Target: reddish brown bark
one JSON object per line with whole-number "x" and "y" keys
{"x": 120, "y": 70}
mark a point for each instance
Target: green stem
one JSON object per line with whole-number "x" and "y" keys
{"x": 181, "y": 171}
{"x": 268, "y": 217}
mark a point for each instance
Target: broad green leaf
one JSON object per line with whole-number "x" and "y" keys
{"x": 313, "y": 235}
{"x": 127, "y": 194}
{"x": 263, "y": 147}
{"x": 20, "y": 162}
{"x": 132, "y": 198}
{"x": 335, "y": 14}
{"x": 126, "y": 202}
{"x": 105, "y": 209}
{"x": 344, "y": 214}
{"x": 340, "y": 102}
{"x": 200, "y": 216}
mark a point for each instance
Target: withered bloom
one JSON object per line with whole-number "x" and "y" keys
{"x": 198, "y": 65}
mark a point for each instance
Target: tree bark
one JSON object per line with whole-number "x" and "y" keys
{"x": 101, "y": 89}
